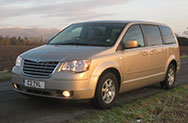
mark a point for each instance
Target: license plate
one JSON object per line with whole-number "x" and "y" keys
{"x": 34, "y": 84}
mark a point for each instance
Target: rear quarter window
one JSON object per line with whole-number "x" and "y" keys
{"x": 168, "y": 37}
{"x": 152, "y": 34}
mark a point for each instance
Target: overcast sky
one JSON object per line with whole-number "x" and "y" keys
{"x": 60, "y": 13}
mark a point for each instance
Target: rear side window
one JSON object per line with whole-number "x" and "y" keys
{"x": 134, "y": 33}
{"x": 152, "y": 35}
{"x": 168, "y": 37}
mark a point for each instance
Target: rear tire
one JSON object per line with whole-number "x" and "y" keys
{"x": 170, "y": 78}
{"x": 106, "y": 91}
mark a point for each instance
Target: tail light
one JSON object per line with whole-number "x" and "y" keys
{"x": 179, "y": 50}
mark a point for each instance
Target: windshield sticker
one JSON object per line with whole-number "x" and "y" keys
{"x": 108, "y": 40}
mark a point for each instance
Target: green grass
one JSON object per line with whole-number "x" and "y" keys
{"x": 166, "y": 106}
{"x": 184, "y": 56}
{"x": 5, "y": 76}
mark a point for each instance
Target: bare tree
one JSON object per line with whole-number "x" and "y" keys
{"x": 186, "y": 32}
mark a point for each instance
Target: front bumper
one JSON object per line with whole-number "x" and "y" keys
{"x": 53, "y": 93}
{"x": 82, "y": 87}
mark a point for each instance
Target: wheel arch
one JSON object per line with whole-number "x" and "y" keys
{"x": 171, "y": 60}
{"x": 103, "y": 68}
{"x": 115, "y": 72}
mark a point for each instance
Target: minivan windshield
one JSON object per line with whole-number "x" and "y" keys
{"x": 89, "y": 34}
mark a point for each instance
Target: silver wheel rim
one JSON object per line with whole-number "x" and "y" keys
{"x": 171, "y": 76}
{"x": 108, "y": 91}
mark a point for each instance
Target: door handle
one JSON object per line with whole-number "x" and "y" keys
{"x": 152, "y": 52}
{"x": 145, "y": 53}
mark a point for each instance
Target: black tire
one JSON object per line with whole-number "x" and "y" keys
{"x": 167, "y": 84}
{"x": 98, "y": 101}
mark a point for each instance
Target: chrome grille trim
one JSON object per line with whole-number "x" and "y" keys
{"x": 41, "y": 69}
{"x": 29, "y": 66}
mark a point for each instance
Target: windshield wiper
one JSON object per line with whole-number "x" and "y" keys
{"x": 77, "y": 43}
{"x": 72, "y": 43}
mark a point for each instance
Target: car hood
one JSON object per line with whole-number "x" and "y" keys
{"x": 62, "y": 52}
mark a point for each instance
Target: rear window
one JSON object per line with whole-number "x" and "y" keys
{"x": 152, "y": 35}
{"x": 168, "y": 37}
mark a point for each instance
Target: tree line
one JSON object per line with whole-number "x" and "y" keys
{"x": 6, "y": 40}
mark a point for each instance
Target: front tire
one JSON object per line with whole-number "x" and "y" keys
{"x": 170, "y": 78}
{"x": 106, "y": 92}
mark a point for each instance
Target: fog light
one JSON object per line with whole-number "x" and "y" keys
{"x": 66, "y": 93}
{"x": 15, "y": 86}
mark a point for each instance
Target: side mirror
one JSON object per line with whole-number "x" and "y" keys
{"x": 131, "y": 44}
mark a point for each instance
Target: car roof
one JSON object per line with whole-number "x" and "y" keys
{"x": 122, "y": 22}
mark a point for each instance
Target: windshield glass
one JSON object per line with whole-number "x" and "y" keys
{"x": 95, "y": 34}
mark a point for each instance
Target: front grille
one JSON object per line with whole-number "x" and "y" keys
{"x": 38, "y": 69}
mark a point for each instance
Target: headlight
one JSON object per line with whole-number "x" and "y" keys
{"x": 18, "y": 61}
{"x": 75, "y": 66}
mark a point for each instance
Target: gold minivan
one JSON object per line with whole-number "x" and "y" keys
{"x": 98, "y": 60}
